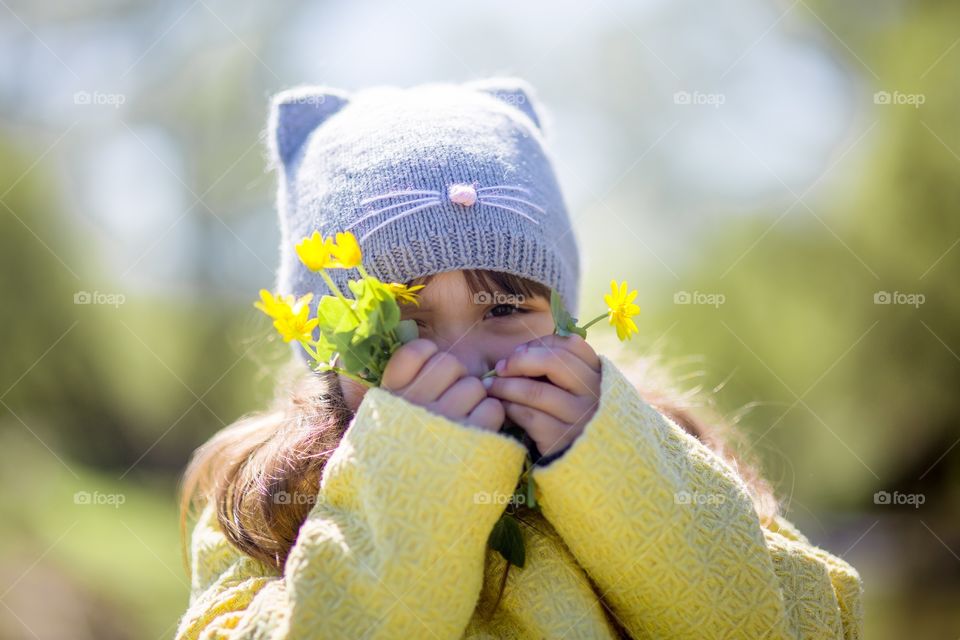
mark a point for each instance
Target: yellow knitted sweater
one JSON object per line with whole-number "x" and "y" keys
{"x": 643, "y": 529}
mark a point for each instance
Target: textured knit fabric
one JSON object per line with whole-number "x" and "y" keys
{"x": 643, "y": 529}
{"x": 432, "y": 178}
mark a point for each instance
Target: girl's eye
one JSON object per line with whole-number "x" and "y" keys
{"x": 504, "y": 310}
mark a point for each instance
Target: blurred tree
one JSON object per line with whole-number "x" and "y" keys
{"x": 861, "y": 395}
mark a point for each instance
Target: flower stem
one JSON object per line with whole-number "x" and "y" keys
{"x": 339, "y": 294}
{"x": 595, "y": 320}
{"x": 310, "y": 350}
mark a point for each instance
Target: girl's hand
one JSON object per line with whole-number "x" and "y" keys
{"x": 553, "y": 412}
{"x": 437, "y": 380}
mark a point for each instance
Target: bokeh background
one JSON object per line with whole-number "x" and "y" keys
{"x": 778, "y": 179}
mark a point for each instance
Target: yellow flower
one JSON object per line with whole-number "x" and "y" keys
{"x": 290, "y": 316}
{"x": 297, "y": 325}
{"x": 273, "y": 307}
{"x": 405, "y": 294}
{"x": 347, "y": 251}
{"x": 280, "y": 306}
{"x": 316, "y": 252}
{"x": 621, "y": 309}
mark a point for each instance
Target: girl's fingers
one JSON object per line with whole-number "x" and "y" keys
{"x": 561, "y": 367}
{"x": 542, "y": 428}
{"x": 489, "y": 415}
{"x": 543, "y": 396}
{"x": 573, "y": 343}
{"x": 460, "y": 399}
{"x": 406, "y": 362}
{"x": 436, "y": 376}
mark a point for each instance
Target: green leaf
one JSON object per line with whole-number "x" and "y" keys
{"x": 557, "y": 309}
{"x": 530, "y": 492}
{"x": 376, "y": 307}
{"x": 407, "y": 330}
{"x": 564, "y": 324}
{"x": 507, "y": 540}
{"x": 357, "y": 355}
{"x": 335, "y": 316}
{"x": 325, "y": 349}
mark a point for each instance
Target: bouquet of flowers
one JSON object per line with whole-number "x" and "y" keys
{"x": 358, "y": 335}
{"x": 360, "y": 332}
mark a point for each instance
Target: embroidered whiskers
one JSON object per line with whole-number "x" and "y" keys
{"x": 504, "y": 197}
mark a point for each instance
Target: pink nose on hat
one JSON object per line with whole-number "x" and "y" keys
{"x": 462, "y": 194}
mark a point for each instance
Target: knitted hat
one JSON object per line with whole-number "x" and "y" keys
{"x": 432, "y": 178}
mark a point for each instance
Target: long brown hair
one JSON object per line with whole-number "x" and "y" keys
{"x": 281, "y": 451}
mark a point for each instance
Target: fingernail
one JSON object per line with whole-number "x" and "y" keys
{"x": 500, "y": 365}
{"x": 521, "y": 348}
{"x": 487, "y": 382}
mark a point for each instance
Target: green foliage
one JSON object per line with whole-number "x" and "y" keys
{"x": 363, "y": 331}
{"x": 507, "y": 539}
{"x": 564, "y": 323}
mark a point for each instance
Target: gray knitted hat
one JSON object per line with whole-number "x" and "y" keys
{"x": 432, "y": 178}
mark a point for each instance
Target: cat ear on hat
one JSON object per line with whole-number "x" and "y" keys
{"x": 294, "y": 114}
{"x": 513, "y": 91}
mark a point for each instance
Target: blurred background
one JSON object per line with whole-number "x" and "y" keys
{"x": 778, "y": 179}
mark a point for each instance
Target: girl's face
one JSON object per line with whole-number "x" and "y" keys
{"x": 480, "y": 328}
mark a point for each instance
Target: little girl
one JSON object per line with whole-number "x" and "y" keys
{"x": 344, "y": 514}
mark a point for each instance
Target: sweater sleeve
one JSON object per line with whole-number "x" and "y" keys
{"x": 393, "y": 547}
{"x": 668, "y": 532}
